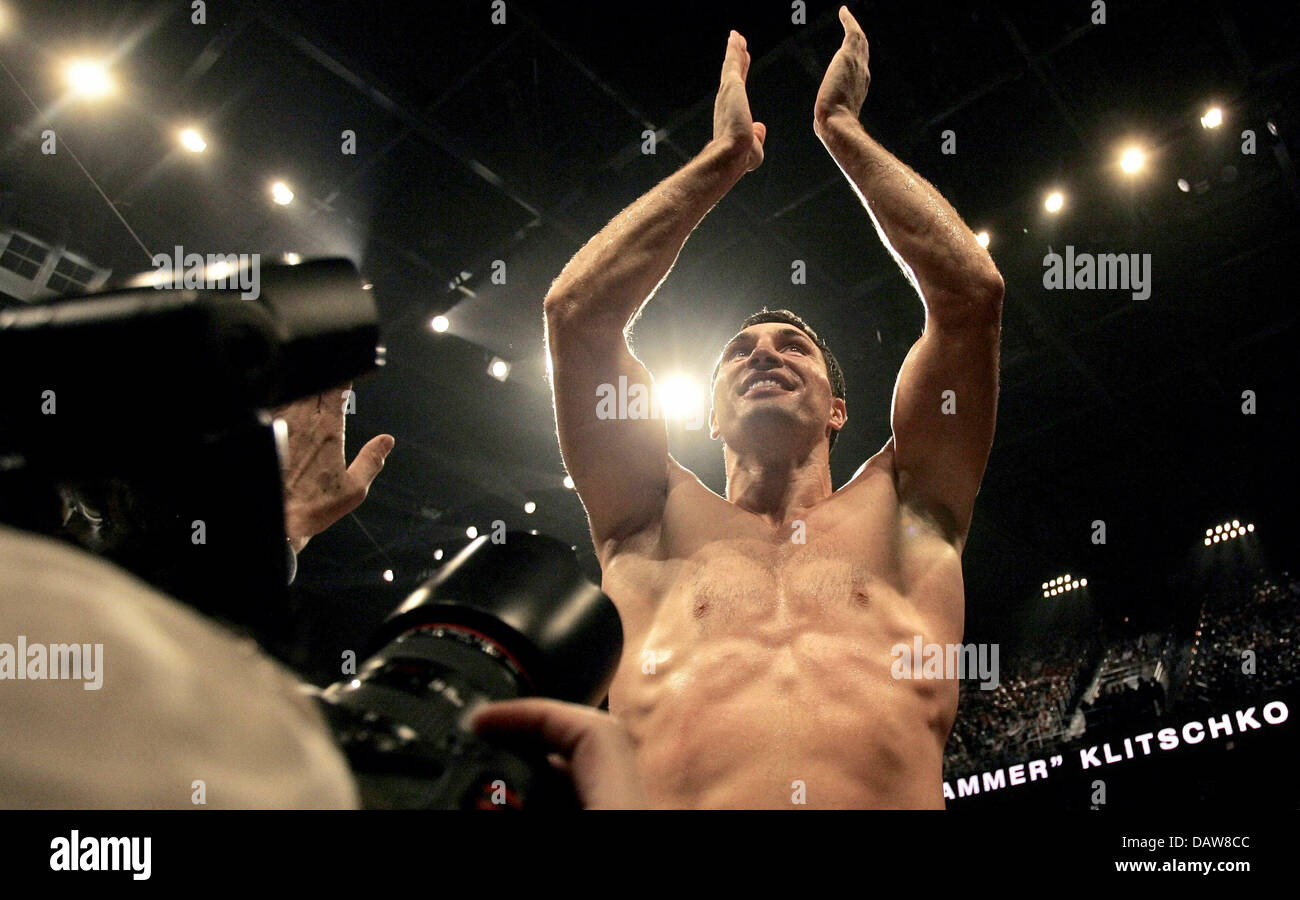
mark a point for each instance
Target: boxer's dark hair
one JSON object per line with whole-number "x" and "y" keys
{"x": 833, "y": 371}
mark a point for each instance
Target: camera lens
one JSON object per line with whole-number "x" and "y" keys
{"x": 499, "y": 621}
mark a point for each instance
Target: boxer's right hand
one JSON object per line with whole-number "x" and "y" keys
{"x": 591, "y": 746}
{"x": 733, "y": 125}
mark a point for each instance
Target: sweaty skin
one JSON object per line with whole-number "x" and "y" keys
{"x": 758, "y": 627}
{"x": 771, "y": 659}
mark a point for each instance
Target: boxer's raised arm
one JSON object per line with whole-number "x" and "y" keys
{"x": 945, "y": 401}
{"x": 620, "y": 466}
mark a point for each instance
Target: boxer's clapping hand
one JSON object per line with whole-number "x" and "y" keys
{"x": 590, "y": 746}
{"x": 319, "y": 486}
{"x": 732, "y": 122}
{"x": 844, "y": 87}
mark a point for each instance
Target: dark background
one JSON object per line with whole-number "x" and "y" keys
{"x": 517, "y": 142}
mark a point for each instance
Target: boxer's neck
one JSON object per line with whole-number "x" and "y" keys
{"x": 777, "y": 487}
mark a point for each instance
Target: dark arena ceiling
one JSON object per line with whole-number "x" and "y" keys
{"x": 479, "y": 142}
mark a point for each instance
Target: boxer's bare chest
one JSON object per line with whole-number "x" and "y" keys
{"x": 850, "y": 574}
{"x": 750, "y": 646}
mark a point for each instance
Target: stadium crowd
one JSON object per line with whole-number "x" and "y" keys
{"x": 1246, "y": 643}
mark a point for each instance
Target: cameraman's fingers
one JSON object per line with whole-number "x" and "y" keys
{"x": 599, "y": 751}
{"x": 370, "y": 461}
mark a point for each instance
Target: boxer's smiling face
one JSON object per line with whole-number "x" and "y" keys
{"x": 771, "y": 385}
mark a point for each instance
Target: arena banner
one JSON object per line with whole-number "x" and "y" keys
{"x": 1083, "y": 759}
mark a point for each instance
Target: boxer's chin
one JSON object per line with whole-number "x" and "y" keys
{"x": 768, "y": 423}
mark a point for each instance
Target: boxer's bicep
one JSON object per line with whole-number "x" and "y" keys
{"x": 944, "y": 410}
{"x": 616, "y": 452}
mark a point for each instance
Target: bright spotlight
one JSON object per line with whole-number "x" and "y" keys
{"x": 1083, "y": 582}
{"x": 1236, "y": 523}
{"x": 530, "y": 507}
{"x": 1044, "y": 585}
{"x": 1055, "y": 200}
{"x": 437, "y": 554}
{"x": 1218, "y": 529}
{"x": 192, "y": 141}
{"x": 568, "y": 482}
{"x": 388, "y": 574}
{"x": 440, "y": 324}
{"x": 679, "y": 397}
{"x": 281, "y": 194}
{"x": 983, "y": 239}
{"x": 1183, "y": 185}
{"x": 471, "y": 532}
{"x": 218, "y": 271}
{"x": 499, "y": 368}
{"x": 87, "y": 79}
{"x": 1207, "y": 542}
{"x": 1213, "y": 118}
{"x": 1133, "y": 160}
{"x": 292, "y": 259}
{"x": 1250, "y": 527}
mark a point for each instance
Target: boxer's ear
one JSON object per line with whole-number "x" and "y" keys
{"x": 839, "y": 413}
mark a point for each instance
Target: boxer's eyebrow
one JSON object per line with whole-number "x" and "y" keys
{"x": 736, "y": 341}
{"x": 747, "y": 338}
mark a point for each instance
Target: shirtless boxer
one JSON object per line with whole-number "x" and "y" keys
{"x": 758, "y": 628}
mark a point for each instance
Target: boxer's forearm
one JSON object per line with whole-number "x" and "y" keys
{"x": 618, "y": 270}
{"x": 936, "y": 250}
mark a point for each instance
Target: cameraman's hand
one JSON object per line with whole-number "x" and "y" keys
{"x": 319, "y": 486}
{"x": 590, "y": 746}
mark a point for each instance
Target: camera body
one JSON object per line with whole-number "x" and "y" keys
{"x": 150, "y": 407}
{"x": 145, "y": 413}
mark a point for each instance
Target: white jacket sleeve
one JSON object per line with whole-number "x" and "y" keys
{"x": 159, "y": 707}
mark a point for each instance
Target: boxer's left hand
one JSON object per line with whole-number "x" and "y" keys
{"x": 844, "y": 87}
{"x": 319, "y": 486}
